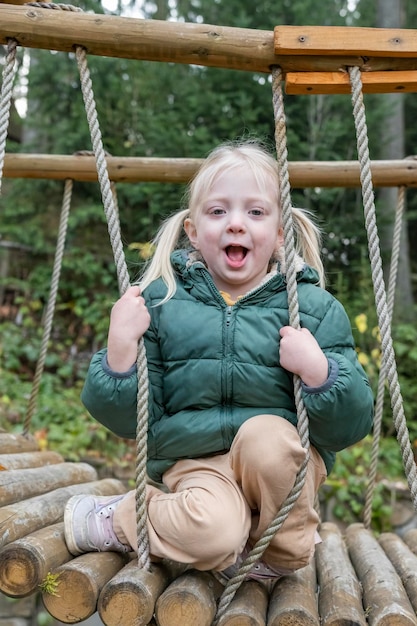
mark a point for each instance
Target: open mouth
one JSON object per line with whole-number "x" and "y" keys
{"x": 236, "y": 254}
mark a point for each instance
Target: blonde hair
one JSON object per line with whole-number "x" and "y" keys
{"x": 223, "y": 158}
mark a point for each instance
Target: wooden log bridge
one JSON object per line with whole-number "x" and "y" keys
{"x": 354, "y": 579}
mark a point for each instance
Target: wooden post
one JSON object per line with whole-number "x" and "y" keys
{"x": 21, "y": 484}
{"x": 24, "y": 563}
{"x": 248, "y": 607}
{"x": 189, "y": 601}
{"x": 410, "y": 539}
{"x": 29, "y": 459}
{"x": 340, "y": 594}
{"x": 293, "y": 599}
{"x": 79, "y": 584}
{"x": 404, "y": 561}
{"x": 129, "y": 598}
{"x": 22, "y": 518}
{"x": 13, "y": 443}
{"x": 384, "y": 597}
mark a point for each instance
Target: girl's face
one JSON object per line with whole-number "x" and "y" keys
{"x": 237, "y": 230}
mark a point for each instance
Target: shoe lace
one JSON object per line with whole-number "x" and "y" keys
{"x": 103, "y": 522}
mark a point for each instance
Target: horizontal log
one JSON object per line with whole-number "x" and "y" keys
{"x": 22, "y": 518}
{"x": 293, "y": 599}
{"x": 404, "y": 561}
{"x": 79, "y": 584}
{"x": 302, "y": 174}
{"x": 340, "y": 593}
{"x": 384, "y": 597}
{"x": 181, "y": 42}
{"x": 83, "y": 168}
{"x": 189, "y": 600}
{"x": 13, "y": 443}
{"x": 307, "y": 83}
{"x": 17, "y": 485}
{"x": 129, "y": 598}
{"x": 24, "y": 563}
{"x": 248, "y": 607}
{"x": 29, "y": 459}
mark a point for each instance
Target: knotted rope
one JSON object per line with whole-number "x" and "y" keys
{"x": 123, "y": 278}
{"x": 50, "y": 308}
{"x": 9, "y": 73}
{"x": 379, "y": 404}
{"x": 291, "y": 279}
{"x": 388, "y": 354}
{"x": 113, "y": 224}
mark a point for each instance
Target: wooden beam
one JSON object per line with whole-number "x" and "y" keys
{"x": 199, "y": 44}
{"x": 134, "y": 38}
{"x": 297, "y": 83}
{"x": 345, "y": 40}
{"x": 83, "y": 168}
{"x": 140, "y": 169}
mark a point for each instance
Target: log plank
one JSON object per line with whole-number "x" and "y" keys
{"x": 12, "y": 443}
{"x": 404, "y": 561}
{"x": 410, "y": 539}
{"x": 24, "y": 563}
{"x": 79, "y": 584}
{"x": 389, "y": 173}
{"x": 248, "y": 607}
{"x": 129, "y": 598}
{"x": 24, "y": 460}
{"x": 340, "y": 40}
{"x": 385, "y": 600}
{"x": 340, "y": 595}
{"x": 293, "y": 599}
{"x": 297, "y": 83}
{"x": 22, "y": 518}
{"x": 21, "y": 484}
{"x": 190, "y": 600}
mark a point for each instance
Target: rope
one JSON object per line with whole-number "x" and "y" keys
{"x": 112, "y": 215}
{"x": 291, "y": 278}
{"x": 378, "y": 283}
{"x": 9, "y": 73}
{"x": 50, "y": 309}
{"x": 367, "y": 515}
{"x": 123, "y": 280}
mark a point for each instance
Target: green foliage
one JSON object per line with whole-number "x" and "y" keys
{"x": 345, "y": 489}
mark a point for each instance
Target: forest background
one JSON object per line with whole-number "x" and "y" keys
{"x": 173, "y": 110}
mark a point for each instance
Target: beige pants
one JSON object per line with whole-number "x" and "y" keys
{"x": 217, "y": 504}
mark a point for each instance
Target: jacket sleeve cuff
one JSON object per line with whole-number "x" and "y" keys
{"x": 108, "y": 370}
{"x": 331, "y": 378}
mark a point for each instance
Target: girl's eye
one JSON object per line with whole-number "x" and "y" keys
{"x": 216, "y": 210}
{"x": 257, "y": 212}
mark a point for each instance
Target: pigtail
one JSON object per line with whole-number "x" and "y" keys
{"x": 165, "y": 242}
{"x": 308, "y": 241}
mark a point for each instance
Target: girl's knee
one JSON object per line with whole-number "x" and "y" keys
{"x": 266, "y": 439}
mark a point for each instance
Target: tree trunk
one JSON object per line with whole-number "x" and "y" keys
{"x": 390, "y": 14}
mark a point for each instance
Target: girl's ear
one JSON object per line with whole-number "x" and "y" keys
{"x": 191, "y": 232}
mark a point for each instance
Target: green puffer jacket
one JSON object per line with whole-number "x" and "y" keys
{"x": 213, "y": 366}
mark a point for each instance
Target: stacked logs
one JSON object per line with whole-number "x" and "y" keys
{"x": 354, "y": 580}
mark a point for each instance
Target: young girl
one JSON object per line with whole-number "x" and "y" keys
{"x": 222, "y": 434}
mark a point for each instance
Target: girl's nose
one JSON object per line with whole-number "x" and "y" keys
{"x": 236, "y": 222}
